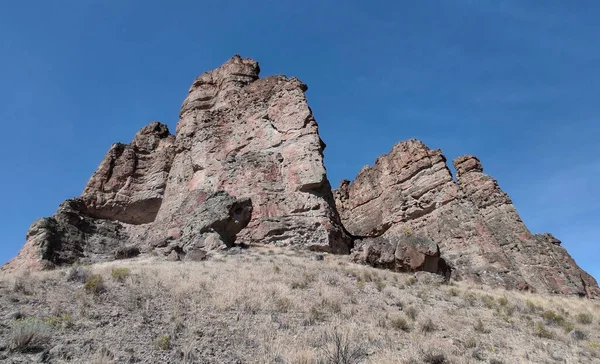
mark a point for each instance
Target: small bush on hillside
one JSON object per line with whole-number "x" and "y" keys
{"x": 585, "y": 319}
{"x": 94, "y": 284}
{"x": 453, "y": 292}
{"x": 412, "y": 312}
{"x": 542, "y": 331}
{"x": 283, "y": 304}
{"x": 29, "y": 335}
{"x": 488, "y": 301}
{"x": 380, "y": 285}
{"x": 400, "y": 323}
{"x": 22, "y": 284}
{"x": 552, "y": 318}
{"x": 78, "y": 273}
{"x": 63, "y": 320}
{"x": 164, "y": 342}
{"x": 427, "y": 325}
{"x": 339, "y": 349}
{"x": 503, "y": 301}
{"x": 434, "y": 357}
{"x": 479, "y": 327}
{"x": 120, "y": 274}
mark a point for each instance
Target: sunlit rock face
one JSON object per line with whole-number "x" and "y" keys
{"x": 410, "y": 192}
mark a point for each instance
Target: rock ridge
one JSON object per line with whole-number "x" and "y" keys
{"x": 246, "y": 166}
{"x": 411, "y": 192}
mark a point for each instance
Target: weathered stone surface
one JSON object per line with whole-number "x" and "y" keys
{"x": 411, "y": 191}
{"x": 203, "y": 222}
{"x": 129, "y": 184}
{"x": 400, "y": 254}
{"x": 256, "y": 138}
{"x": 68, "y": 237}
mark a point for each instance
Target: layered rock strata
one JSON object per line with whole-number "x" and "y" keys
{"x": 410, "y": 192}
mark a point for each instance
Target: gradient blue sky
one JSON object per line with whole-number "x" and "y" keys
{"x": 513, "y": 82}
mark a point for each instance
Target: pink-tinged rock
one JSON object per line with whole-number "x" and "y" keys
{"x": 410, "y": 191}
{"x": 256, "y": 138}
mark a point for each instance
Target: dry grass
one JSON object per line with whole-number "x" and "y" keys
{"x": 280, "y": 306}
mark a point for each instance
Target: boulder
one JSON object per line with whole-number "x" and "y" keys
{"x": 400, "y": 254}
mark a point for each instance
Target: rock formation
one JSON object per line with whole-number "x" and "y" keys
{"x": 411, "y": 192}
{"x": 256, "y": 138}
{"x": 246, "y": 166}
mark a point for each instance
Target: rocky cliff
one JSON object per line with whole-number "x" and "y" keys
{"x": 246, "y": 166}
{"x": 410, "y": 192}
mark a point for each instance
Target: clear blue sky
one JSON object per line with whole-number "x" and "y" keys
{"x": 513, "y": 82}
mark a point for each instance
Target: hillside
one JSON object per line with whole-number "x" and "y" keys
{"x": 272, "y": 305}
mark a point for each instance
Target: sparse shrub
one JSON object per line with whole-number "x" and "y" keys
{"x": 315, "y": 315}
{"x": 283, "y": 304}
{"x": 488, "y": 301}
{"x": 360, "y": 284}
{"x": 496, "y": 361}
{"x": 94, "y": 284}
{"x": 480, "y": 327}
{"x": 509, "y": 309}
{"x": 299, "y": 285}
{"x": 63, "y": 320}
{"x": 400, "y": 323}
{"x": 411, "y": 280}
{"x": 503, "y": 301}
{"x": 22, "y": 284}
{"x": 380, "y": 285}
{"x": 427, "y": 325}
{"x": 433, "y": 357}
{"x": 552, "y": 318}
{"x": 542, "y": 331}
{"x": 29, "y": 335}
{"x": 120, "y": 274}
{"x": 78, "y": 273}
{"x": 532, "y": 306}
{"x": 568, "y": 326}
{"x": 411, "y": 312}
{"x": 470, "y": 343}
{"x": 164, "y": 342}
{"x": 276, "y": 269}
{"x": 471, "y": 298}
{"x": 585, "y": 319}
{"x": 594, "y": 345}
{"x": 367, "y": 276}
{"x": 330, "y": 305}
{"x": 453, "y": 292}
{"x": 339, "y": 349}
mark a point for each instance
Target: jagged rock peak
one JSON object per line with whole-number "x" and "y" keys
{"x": 467, "y": 163}
{"x": 410, "y": 192}
{"x": 245, "y": 166}
{"x": 129, "y": 184}
{"x": 257, "y": 138}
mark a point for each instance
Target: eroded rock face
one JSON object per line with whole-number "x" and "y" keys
{"x": 400, "y": 254}
{"x": 67, "y": 237}
{"x": 203, "y": 222}
{"x": 246, "y": 166}
{"x": 410, "y": 191}
{"x": 129, "y": 184}
{"x": 256, "y": 138}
